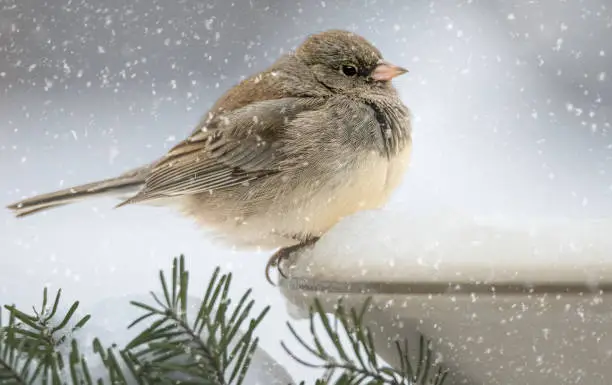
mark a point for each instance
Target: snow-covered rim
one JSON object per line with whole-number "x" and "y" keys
{"x": 424, "y": 288}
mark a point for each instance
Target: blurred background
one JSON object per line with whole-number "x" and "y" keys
{"x": 512, "y": 103}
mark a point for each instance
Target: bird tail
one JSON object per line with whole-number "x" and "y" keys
{"x": 126, "y": 184}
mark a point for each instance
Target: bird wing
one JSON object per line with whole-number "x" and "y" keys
{"x": 226, "y": 149}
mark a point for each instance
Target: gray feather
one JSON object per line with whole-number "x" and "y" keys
{"x": 228, "y": 149}
{"x": 124, "y": 185}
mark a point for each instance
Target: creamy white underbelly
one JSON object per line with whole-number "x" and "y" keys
{"x": 367, "y": 186}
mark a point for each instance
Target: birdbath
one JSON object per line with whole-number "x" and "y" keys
{"x": 502, "y": 303}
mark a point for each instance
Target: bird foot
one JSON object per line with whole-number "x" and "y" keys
{"x": 284, "y": 253}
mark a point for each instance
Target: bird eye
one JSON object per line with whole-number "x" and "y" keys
{"x": 349, "y": 70}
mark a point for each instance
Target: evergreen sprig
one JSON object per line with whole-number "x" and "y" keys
{"x": 31, "y": 341}
{"x": 357, "y": 360}
{"x": 204, "y": 351}
{"x": 15, "y": 360}
{"x": 213, "y": 347}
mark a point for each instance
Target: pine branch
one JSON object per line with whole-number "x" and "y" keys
{"x": 14, "y": 363}
{"x": 361, "y": 365}
{"x": 205, "y": 351}
{"x": 38, "y": 337}
{"x": 208, "y": 349}
{"x": 40, "y": 329}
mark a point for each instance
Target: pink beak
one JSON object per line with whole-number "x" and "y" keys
{"x": 386, "y": 71}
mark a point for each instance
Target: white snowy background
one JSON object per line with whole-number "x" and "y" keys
{"x": 512, "y": 103}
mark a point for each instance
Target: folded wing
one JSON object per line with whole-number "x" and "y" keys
{"x": 225, "y": 150}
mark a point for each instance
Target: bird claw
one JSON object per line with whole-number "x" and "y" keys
{"x": 275, "y": 261}
{"x": 282, "y": 254}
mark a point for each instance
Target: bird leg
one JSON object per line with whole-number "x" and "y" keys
{"x": 284, "y": 253}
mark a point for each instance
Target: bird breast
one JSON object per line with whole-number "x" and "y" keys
{"x": 310, "y": 211}
{"x": 367, "y": 185}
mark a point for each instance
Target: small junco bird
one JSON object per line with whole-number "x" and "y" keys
{"x": 282, "y": 156}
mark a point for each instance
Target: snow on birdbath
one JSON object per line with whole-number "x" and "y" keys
{"x": 525, "y": 301}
